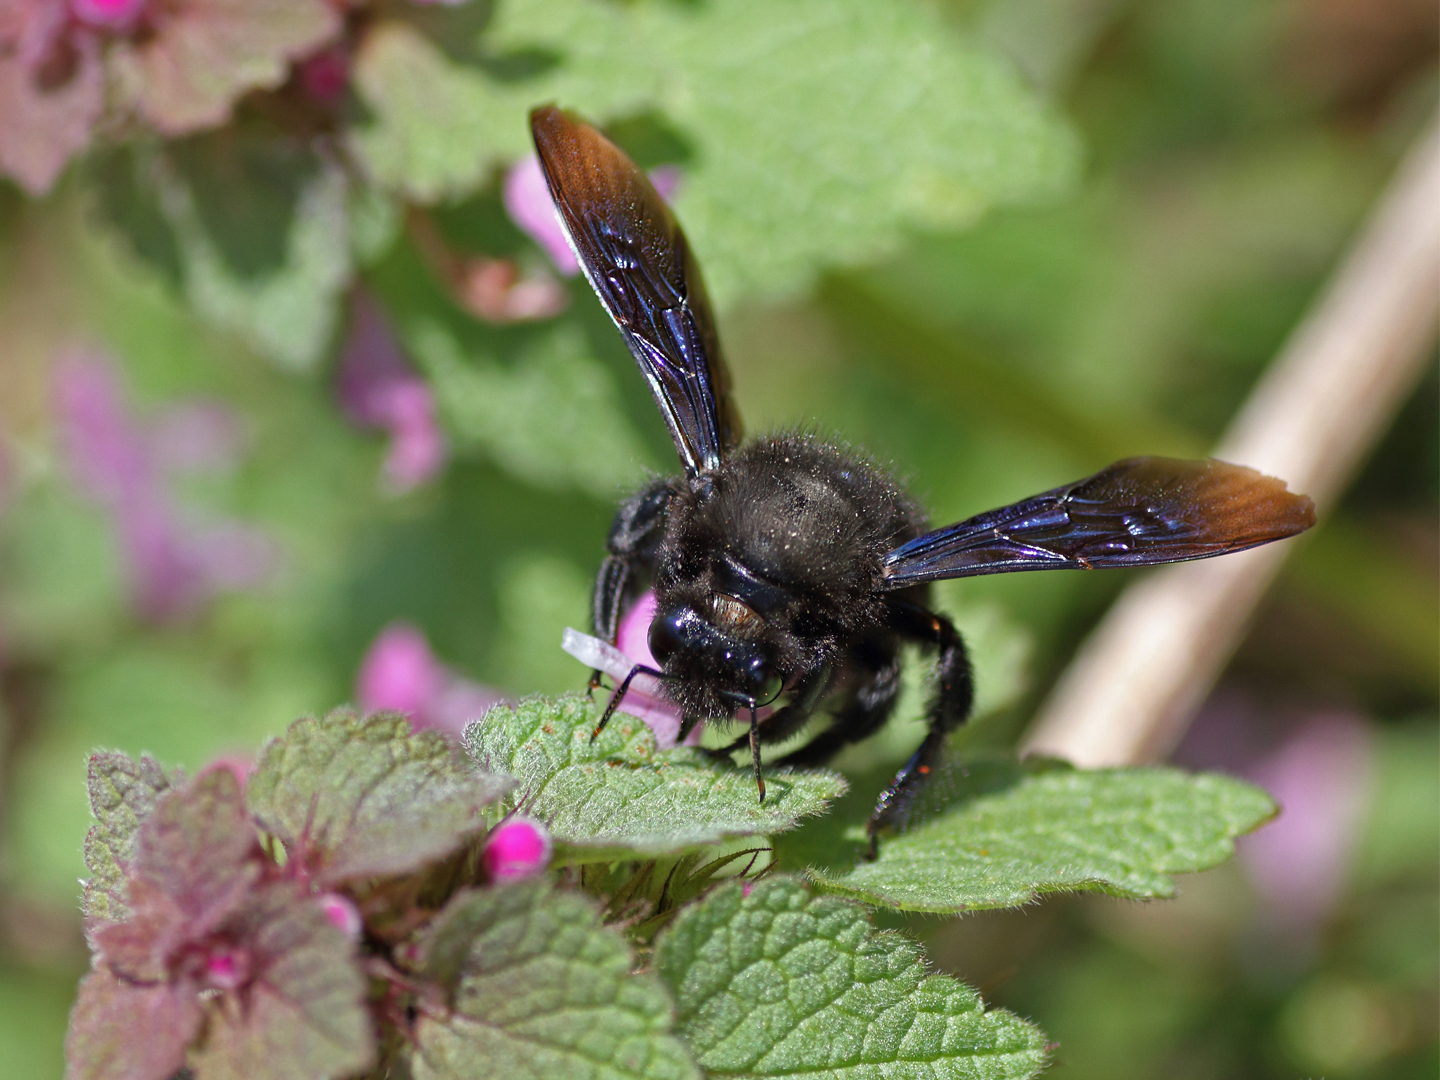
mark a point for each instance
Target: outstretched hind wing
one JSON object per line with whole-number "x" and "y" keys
{"x": 1136, "y": 512}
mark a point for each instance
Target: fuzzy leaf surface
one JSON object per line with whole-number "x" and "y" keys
{"x": 820, "y": 129}
{"x": 41, "y": 128}
{"x": 125, "y": 1031}
{"x": 304, "y": 1016}
{"x": 123, "y": 792}
{"x": 365, "y": 797}
{"x": 195, "y": 863}
{"x": 782, "y": 982}
{"x": 540, "y": 990}
{"x": 619, "y": 796}
{"x": 1007, "y": 833}
{"x": 205, "y": 53}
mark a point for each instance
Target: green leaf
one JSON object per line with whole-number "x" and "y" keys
{"x": 552, "y": 418}
{"x": 123, "y": 792}
{"x": 814, "y": 145}
{"x": 770, "y": 980}
{"x": 540, "y": 989}
{"x": 283, "y": 299}
{"x": 304, "y": 1017}
{"x": 366, "y": 797}
{"x": 618, "y": 796}
{"x": 1007, "y": 834}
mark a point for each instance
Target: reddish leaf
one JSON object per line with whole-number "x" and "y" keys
{"x": 126, "y": 1031}
{"x": 195, "y": 861}
{"x": 206, "y": 53}
{"x": 46, "y": 115}
{"x": 303, "y": 1016}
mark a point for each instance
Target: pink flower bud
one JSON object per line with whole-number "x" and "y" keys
{"x": 325, "y": 76}
{"x": 399, "y": 672}
{"x": 417, "y": 447}
{"x": 227, "y": 968}
{"x": 118, "y": 15}
{"x": 343, "y": 915}
{"x": 519, "y": 848}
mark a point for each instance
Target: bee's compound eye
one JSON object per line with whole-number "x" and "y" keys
{"x": 762, "y": 684}
{"x": 667, "y": 634}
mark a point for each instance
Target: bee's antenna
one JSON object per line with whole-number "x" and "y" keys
{"x": 619, "y": 696}
{"x": 755, "y": 750}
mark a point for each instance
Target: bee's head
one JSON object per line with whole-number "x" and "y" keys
{"x": 688, "y": 645}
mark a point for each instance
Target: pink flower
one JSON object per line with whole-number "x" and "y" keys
{"x": 174, "y": 566}
{"x": 518, "y": 848}
{"x": 115, "y": 15}
{"x": 1320, "y": 775}
{"x": 378, "y": 389}
{"x": 342, "y": 914}
{"x": 401, "y": 674}
{"x": 528, "y": 202}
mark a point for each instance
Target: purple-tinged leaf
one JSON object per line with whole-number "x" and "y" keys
{"x": 51, "y": 93}
{"x": 300, "y": 1014}
{"x": 354, "y": 798}
{"x": 205, "y": 53}
{"x": 195, "y": 861}
{"x": 121, "y": 1030}
{"x": 123, "y": 792}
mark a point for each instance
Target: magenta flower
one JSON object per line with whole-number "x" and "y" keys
{"x": 174, "y": 565}
{"x": 401, "y": 674}
{"x": 378, "y": 388}
{"x": 518, "y": 848}
{"x": 325, "y": 77}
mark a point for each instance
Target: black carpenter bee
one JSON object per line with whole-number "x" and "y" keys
{"x": 790, "y": 571}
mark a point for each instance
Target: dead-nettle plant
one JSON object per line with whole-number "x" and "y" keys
{"x": 367, "y": 900}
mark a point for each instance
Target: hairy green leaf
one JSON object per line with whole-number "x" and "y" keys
{"x": 552, "y": 418}
{"x": 619, "y": 796}
{"x": 304, "y": 1017}
{"x": 357, "y": 797}
{"x": 538, "y": 988}
{"x": 1007, "y": 833}
{"x": 770, "y": 980}
{"x": 123, "y": 791}
{"x": 820, "y": 128}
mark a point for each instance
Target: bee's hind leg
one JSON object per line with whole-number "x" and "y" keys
{"x": 949, "y": 708}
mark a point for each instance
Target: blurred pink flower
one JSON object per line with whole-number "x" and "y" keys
{"x": 528, "y": 202}
{"x": 516, "y": 849}
{"x": 174, "y": 566}
{"x": 378, "y": 389}
{"x": 401, "y": 674}
{"x": 1320, "y": 775}
{"x": 117, "y": 15}
{"x": 342, "y": 914}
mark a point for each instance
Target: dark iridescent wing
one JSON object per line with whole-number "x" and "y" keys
{"x": 1138, "y": 511}
{"x": 636, "y": 259}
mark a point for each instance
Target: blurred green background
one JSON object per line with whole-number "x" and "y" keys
{"x": 1194, "y": 171}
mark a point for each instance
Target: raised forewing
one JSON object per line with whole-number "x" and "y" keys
{"x": 1138, "y": 511}
{"x": 638, "y": 262}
